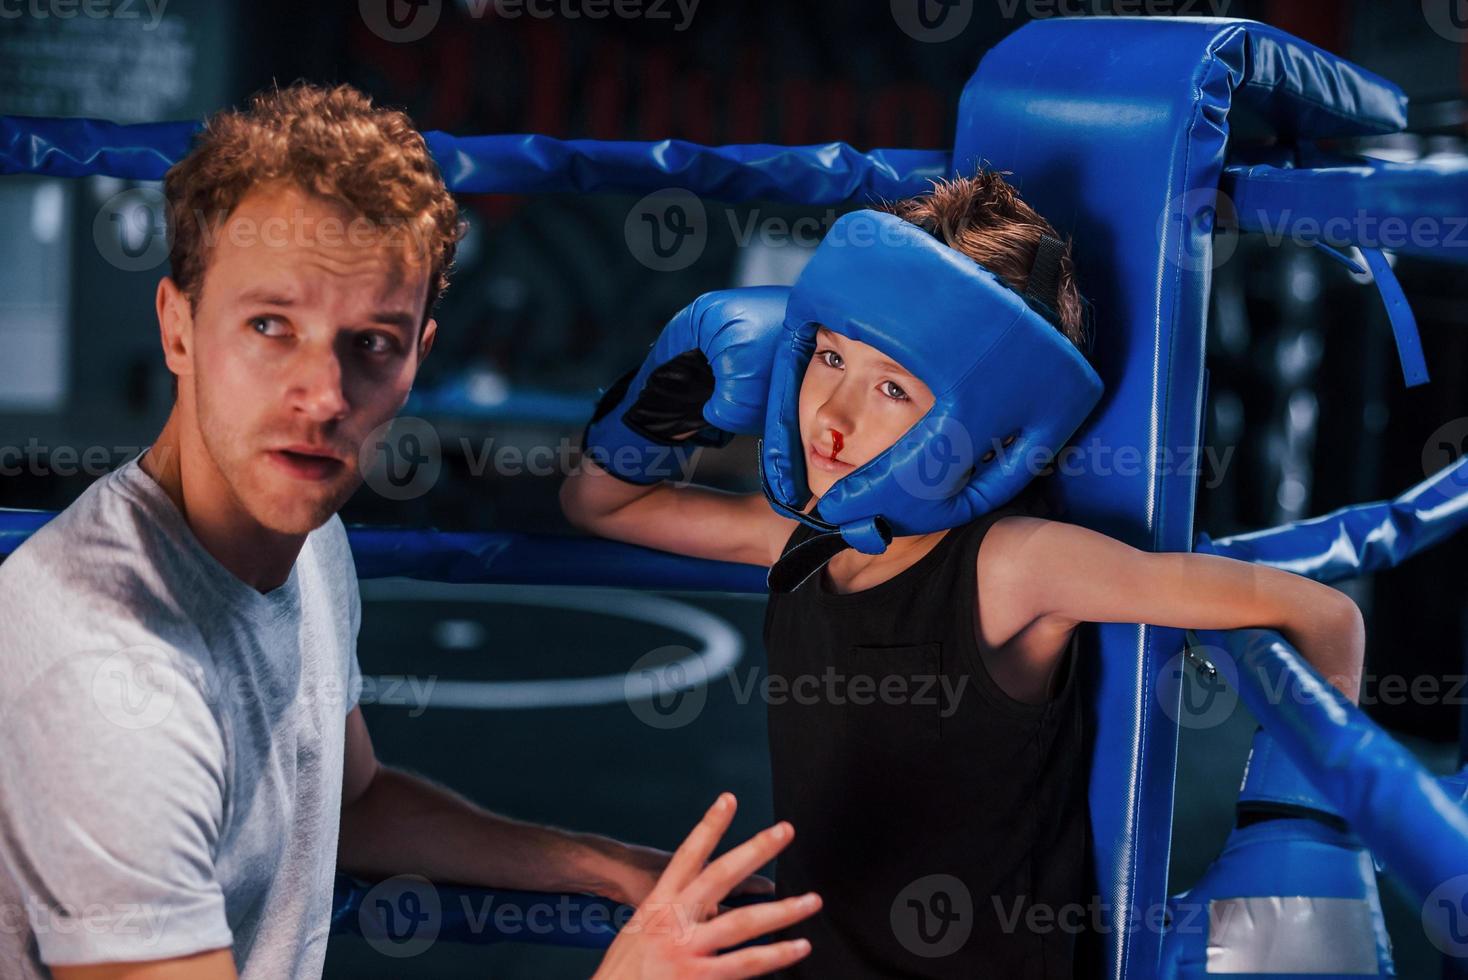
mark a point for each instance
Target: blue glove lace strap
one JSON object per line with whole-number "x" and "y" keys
{"x": 869, "y": 536}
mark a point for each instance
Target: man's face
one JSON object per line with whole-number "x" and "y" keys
{"x": 855, "y": 398}
{"x": 303, "y": 342}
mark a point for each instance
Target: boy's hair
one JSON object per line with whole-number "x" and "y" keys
{"x": 328, "y": 142}
{"x": 983, "y": 217}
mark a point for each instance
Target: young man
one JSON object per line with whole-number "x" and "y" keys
{"x": 184, "y": 762}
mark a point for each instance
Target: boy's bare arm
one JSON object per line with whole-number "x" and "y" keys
{"x": 705, "y": 378}
{"x": 700, "y": 522}
{"x": 1068, "y": 574}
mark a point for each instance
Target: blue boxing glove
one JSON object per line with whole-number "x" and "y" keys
{"x": 706, "y": 378}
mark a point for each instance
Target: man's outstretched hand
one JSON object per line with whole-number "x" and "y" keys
{"x": 634, "y": 871}
{"x": 677, "y": 932}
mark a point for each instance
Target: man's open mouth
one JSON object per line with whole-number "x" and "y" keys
{"x": 306, "y": 465}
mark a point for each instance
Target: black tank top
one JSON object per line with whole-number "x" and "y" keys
{"x": 943, "y": 822}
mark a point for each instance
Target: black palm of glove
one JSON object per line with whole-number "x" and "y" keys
{"x": 670, "y": 408}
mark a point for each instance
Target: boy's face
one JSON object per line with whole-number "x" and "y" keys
{"x": 854, "y": 403}
{"x": 302, "y": 343}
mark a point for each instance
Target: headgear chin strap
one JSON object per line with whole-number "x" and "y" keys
{"x": 1009, "y": 389}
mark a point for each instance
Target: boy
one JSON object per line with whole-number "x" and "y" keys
{"x": 931, "y": 830}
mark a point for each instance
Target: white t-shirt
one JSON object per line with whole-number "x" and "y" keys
{"x": 171, "y": 742}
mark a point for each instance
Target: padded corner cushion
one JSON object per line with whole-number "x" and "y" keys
{"x": 1307, "y": 92}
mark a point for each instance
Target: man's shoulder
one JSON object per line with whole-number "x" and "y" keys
{"x": 87, "y": 580}
{"x": 100, "y": 542}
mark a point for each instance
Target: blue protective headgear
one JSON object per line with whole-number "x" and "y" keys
{"x": 1009, "y": 389}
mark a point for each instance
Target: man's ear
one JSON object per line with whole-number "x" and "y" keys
{"x": 425, "y": 344}
{"x": 175, "y": 327}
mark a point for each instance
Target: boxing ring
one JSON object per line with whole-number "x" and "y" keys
{"x": 1117, "y": 130}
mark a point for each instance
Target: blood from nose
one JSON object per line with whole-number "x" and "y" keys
{"x": 836, "y": 443}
